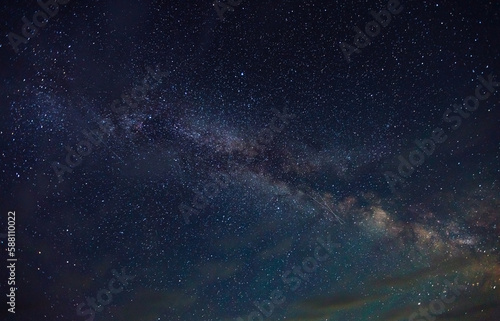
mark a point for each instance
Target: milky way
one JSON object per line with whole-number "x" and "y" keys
{"x": 229, "y": 160}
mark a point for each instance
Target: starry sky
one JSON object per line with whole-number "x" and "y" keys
{"x": 235, "y": 162}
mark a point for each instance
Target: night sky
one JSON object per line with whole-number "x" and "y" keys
{"x": 251, "y": 160}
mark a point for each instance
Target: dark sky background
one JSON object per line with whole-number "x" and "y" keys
{"x": 322, "y": 175}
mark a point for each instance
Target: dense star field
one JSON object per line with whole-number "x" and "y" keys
{"x": 250, "y": 160}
